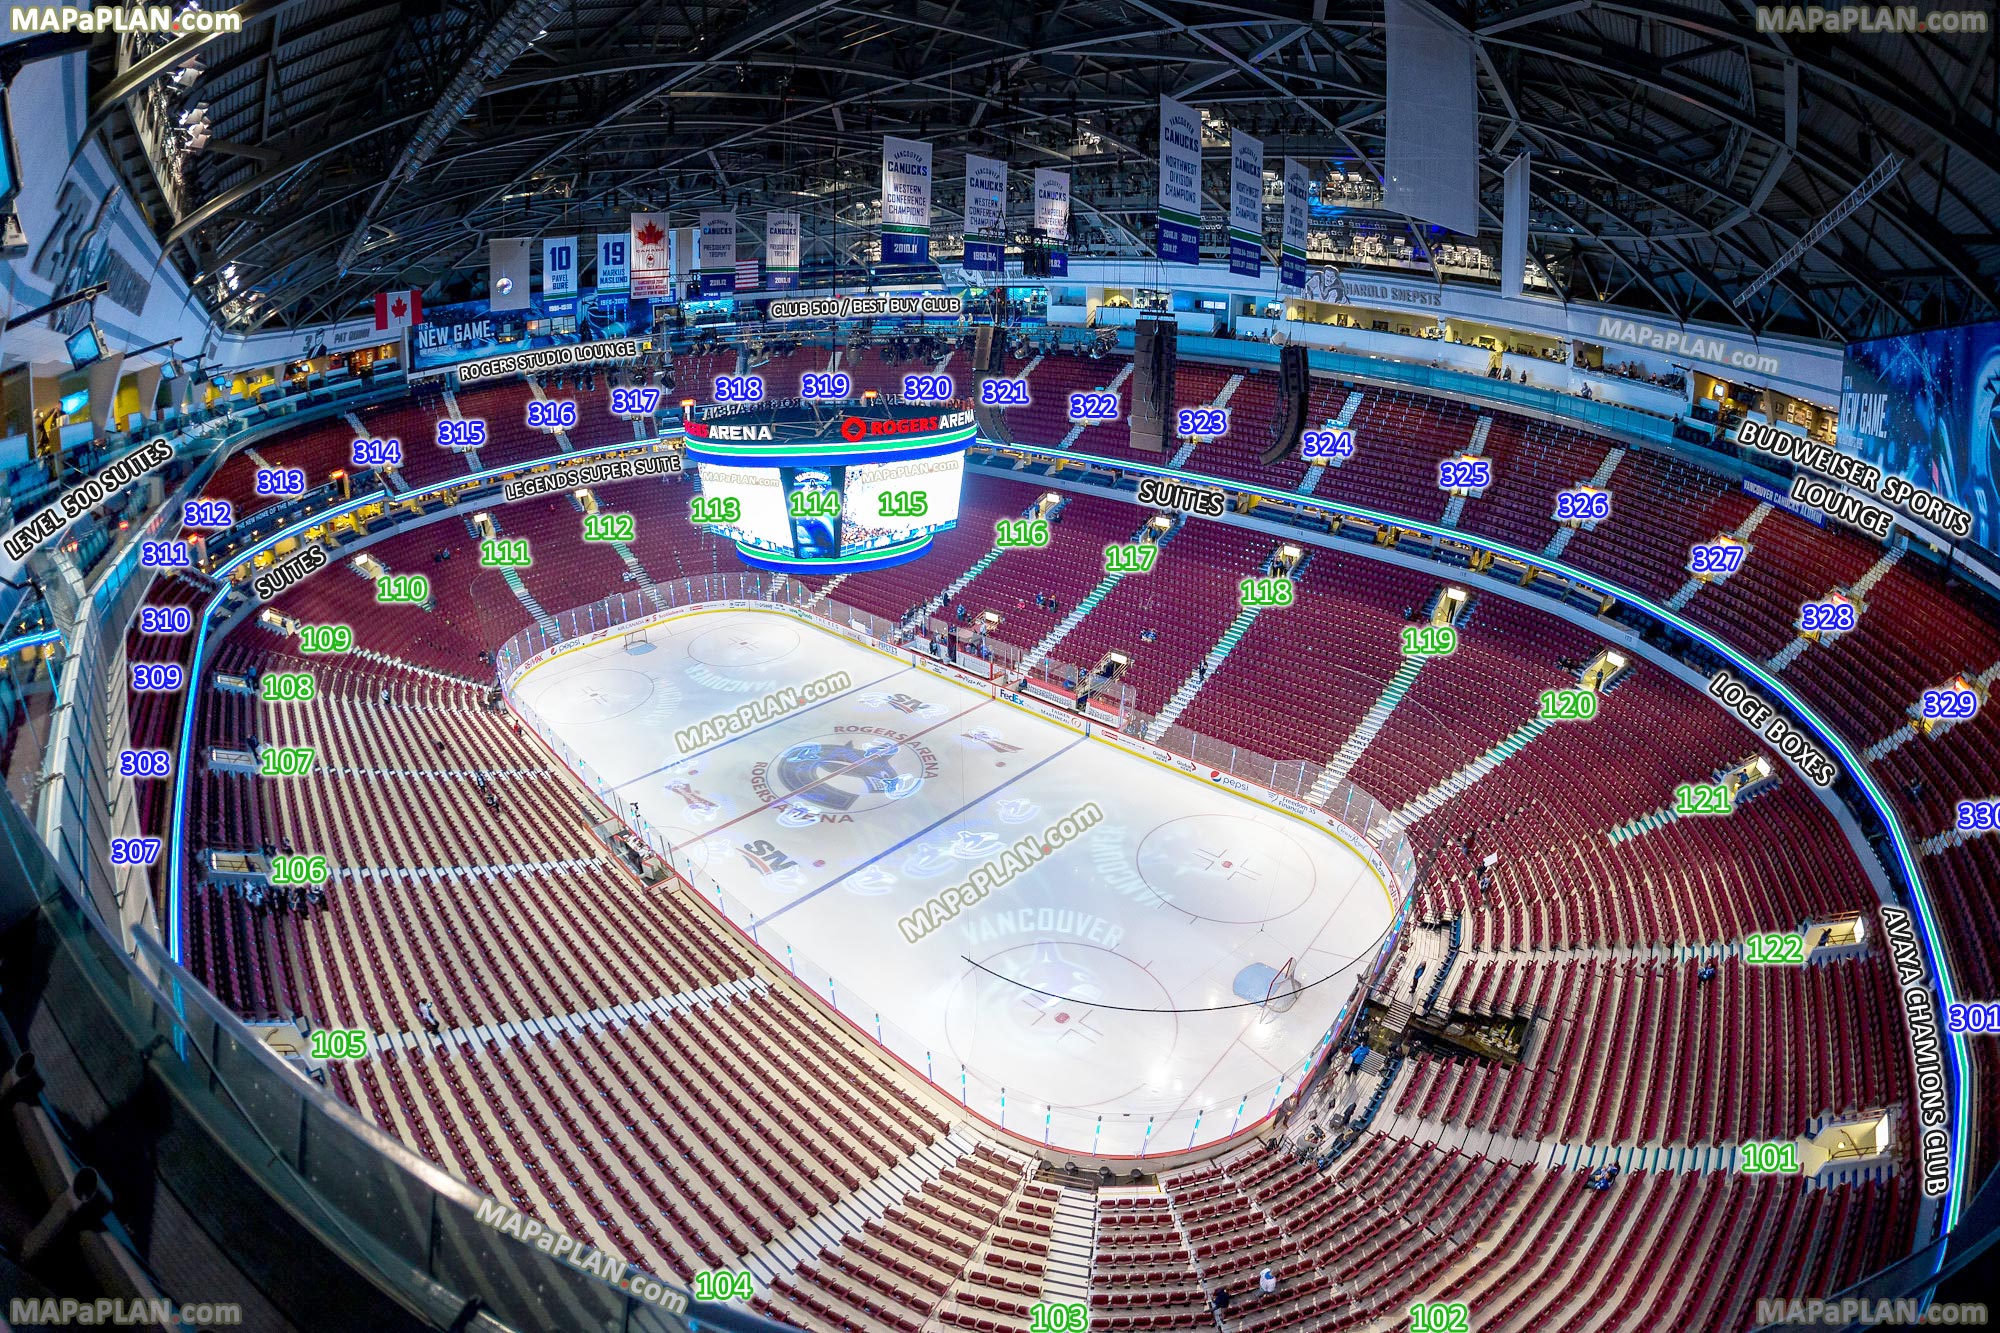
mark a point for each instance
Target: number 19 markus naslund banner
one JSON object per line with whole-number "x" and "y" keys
{"x": 906, "y": 201}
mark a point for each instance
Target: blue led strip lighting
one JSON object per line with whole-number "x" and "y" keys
{"x": 1954, "y": 1043}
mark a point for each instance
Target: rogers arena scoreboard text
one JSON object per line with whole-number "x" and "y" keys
{"x": 831, "y": 488}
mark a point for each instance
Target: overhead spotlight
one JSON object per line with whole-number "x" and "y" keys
{"x": 193, "y": 114}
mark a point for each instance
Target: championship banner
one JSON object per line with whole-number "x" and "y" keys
{"x": 781, "y": 252}
{"x": 1246, "y": 204}
{"x": 507, "y": 275}
{"x": 716, "y": 254}
{"x": 614, "y": 257}
{"x": 985, "y": 215}
{"x": 1052, "y": 217}
{"x": 906, "y": 201}
{"x": 1179, "y": 237}
{"x": 1298, "y": 210}
{"x": 651, "y": 276}
{"x": 558, "y": 267}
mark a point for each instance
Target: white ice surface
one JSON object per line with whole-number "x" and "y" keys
{"x": 1055, "y": 987}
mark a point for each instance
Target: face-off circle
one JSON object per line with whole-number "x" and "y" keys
{"x": 733, "y": 646}
{"x": 1031, "y": 1018}
{"x": 1229, "y": 869}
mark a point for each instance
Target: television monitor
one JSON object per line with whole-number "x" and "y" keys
{"x": 170, "y": 370}
{"x": 72, "y": 403}
{"x": 85, "y": 347}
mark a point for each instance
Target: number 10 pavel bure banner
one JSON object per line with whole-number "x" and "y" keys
{"x": 906, "y": 201}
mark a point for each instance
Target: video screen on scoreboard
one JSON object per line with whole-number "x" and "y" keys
{"x": 838, "y": 512}
{"x": 1926, "y": 407}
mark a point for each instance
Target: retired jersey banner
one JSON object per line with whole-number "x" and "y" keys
{"x": 781, "y": 252}
{"x": 559, "y": 260}
{"x": 906, "y": 201}
{"x": 1179, "y": 237}
{"x": 1052, "y": 217}
{"x": 985, "y": 215}
{"x": 614, "y": 261}
{"x": 716, "y": 253}
{"x": 1246, "y": 204}
{"x": 1298, "y": 209}
{"x": 652, "y": 276}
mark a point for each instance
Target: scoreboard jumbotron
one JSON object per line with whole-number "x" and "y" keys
{"x": 828, "y": 488}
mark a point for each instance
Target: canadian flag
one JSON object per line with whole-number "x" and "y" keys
{"x": 396, "y": 311}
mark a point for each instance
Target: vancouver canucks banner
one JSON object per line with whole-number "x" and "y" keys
{"x": 781, "y": 252}
{"x": 716, "y": 254}
{"x": 1052, "y": 217}
{"x": 985, "y": 215}
{"x": 614, "y": 259}
{"x": 1292, "y": 249}
{"x": 1179, "y": 238}
{"x": 906, "y": 201}
{"x": 1246, "y": 204}
{"x": 652, "y": 277}
{"x": 559, "y": 271}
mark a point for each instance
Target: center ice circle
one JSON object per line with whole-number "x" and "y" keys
{"x": 845, "y": 775}
{"x": 744, "y": 645}
{"x": 1036, "y": 1027}
{"x": 597, "y": 695}
{"x": 1227, "y": 868}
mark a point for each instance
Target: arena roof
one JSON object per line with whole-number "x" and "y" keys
{"x": 1677, "y": 150}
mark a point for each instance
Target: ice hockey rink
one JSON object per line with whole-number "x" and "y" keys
{"x": 1069, "y": 935}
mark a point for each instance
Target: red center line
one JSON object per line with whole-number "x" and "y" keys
{"x": 779, "y": 800}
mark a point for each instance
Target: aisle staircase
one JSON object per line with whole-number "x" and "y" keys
{"x": 1310, "y": 482}
{"x": 1184, "y": 696}
{"x": 952, "y": 589}
{"x": 1687, "y": 590}
{"x": 1480, "y": 431}
{"x": 1371, "y": 726}
{"x": 821, "y": 595}
{"x": 1462, "y": 780}
{"x": 640, "y": 576}
{"x": 1079, "y": 427}
{"x": 1072, "y": 1247}
{"x": 1222, "y": 398}
{"x": 1646, "y": 823}
{"x": 562, "y": 437}
{"x": 1069, "y": 622}
{"x": 1858, "y": 590}
{"x": 1568, "y": 531}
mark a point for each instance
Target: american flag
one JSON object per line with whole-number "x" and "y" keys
{"x": 748, "y": 278}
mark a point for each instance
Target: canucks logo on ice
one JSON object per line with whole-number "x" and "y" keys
{"x": 831, "y": 779}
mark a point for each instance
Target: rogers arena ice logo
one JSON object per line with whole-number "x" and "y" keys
{"x": 132, "y": 18}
